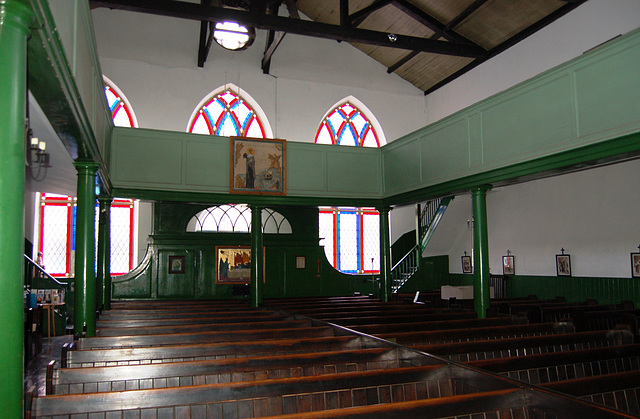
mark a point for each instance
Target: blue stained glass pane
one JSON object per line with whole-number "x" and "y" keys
{"x": 246, "y": 122}
{"x": 363, "y": 131}
{"x": 347, "y": 136}
{"x": 331, "y": 128}
{"x": 74, "y": 219}
{"x": 348, "y": 230}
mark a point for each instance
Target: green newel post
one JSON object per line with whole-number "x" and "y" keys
{"x": 103, "y": 275}
{"x": 481, "y": 275}
{"x": 85, "y": 274}
{"x": 385, "y": 255}
{"x": 15, "y": 19}
{"x": 256, "y": 256}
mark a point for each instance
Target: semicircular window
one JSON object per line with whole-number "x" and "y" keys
{"x": 236, "y": 218}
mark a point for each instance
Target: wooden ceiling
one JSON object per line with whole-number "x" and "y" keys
{"x": 426, "y": 42}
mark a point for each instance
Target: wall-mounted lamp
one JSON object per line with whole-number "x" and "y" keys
{"x": 37, "y": 157}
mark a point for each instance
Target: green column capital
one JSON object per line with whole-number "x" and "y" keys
{"x": 86, "y": 167}
{"x": 16, "y": 13}
{"x": 481, "y": 189}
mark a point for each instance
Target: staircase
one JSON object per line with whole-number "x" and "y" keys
{"x": 429, "y": 217}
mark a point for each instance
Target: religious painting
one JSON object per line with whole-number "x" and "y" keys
{"x": 563, "y": 265}
{"x": 508, "y": 265}
{"x": 176, "y": 264}
{"x": 467, "y": 268}
{"x": 635, "y": 265}
{"x": 234, "y": 265}
{"x": 258, "y": 166}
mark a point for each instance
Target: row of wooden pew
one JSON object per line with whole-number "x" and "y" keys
{"x": 292, "y": 358}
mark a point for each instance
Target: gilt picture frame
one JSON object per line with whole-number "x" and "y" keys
{"x": 508, "y": 265}
{"x": 635, "y": 265}
{"x": 258, "y": 166}
{"x": 467, "y": 267}
{"x": 176, "y": 264}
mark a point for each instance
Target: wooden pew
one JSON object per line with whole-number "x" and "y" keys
{"x": 147, "y": 321}
{"x": 527, "y": 345}
{"x": 461, "y": 335}
{"x": 276, "y": 396}
{"x": 406, "y": 318}
{"x": 380, "y": 329}
{"x": 177, "y": 374}
{"x": 550, "y": 367}
{"x": 619, "y": 391}
{"x": 202, "y": 327}
{"x": 202, "y": 337}
{"x": 72, "y": 357}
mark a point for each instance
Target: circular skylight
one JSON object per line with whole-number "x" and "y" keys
{"x": 233, "y": 36}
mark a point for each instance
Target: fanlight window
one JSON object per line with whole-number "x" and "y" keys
{"x": 227, "y": 114}
{"x": 237, "y": 219}
{"x": 346, "y": 125}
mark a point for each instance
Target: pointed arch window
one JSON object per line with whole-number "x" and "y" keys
{"x": 350, "y": 236}
{"x": 121, "y": 111}
{"x": 226, "y": 113}
{"x": 237, "y": 219}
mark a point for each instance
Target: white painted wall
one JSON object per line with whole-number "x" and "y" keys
{"x": 589, "y": 25}
{"x": 594, "y": 215}
{"x": 153, "y": 60}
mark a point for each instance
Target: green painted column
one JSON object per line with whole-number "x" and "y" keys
{"x": 15, "y": 19}
{"x": 103, "y": 275}
{"x": 257, "y": 256}
{"x": 85, "y": 273}
{"x": 385, "y": 255}
{"x": 481, "y": 274}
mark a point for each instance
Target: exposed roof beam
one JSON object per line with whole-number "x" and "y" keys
{"x": 359, "y": 16}
{"x": 194, "y": 11}
{"x": 345, "y": 20}
{"x": 274, "y": 38}
{"x": 402, "y": 61}
{"x": 430, "y": 22}
{"x": 465, "y": 14}
{"x": 509, "y": 43}
{"x": 204, "y": 46}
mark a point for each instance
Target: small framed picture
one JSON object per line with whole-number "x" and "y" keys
{"x": 508, "y": 265}
{"x": 635, "y": 265}
{"x": 563, "y": 265}
{"x": 467, "y": 268}
{"x": 300, "y": 262}
{"x": 176, "y": 264}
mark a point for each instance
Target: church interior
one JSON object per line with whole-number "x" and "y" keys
{"x": 338, "y": 209}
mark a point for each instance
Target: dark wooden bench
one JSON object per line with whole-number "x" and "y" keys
{"x": 406, "y": 311}
{"x": 202, "y": 337}
{"x": 478, "y": 333}
{"x": 203, "y": 327}
{"x": 619, "y": 391}
{"x": 379, "y": 329}
{"x": 527, "y": 345}
{"x": 147, "y": 321}
{"x": 176, "y": 374}
{"x": 182, "y": 313}
{"x": 405, "y": 318}
{"x": 75, "y": 358}
{"x": 550, "y": 367}
{"x": 276, "y": 396}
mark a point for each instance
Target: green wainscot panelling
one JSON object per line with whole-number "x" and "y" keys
{"x": 402, "y": 165}
{"x": 575, "y": 289}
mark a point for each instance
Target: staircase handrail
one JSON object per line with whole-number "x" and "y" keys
{"x": 409, "y": 253}
{"x": 41, "y": 269}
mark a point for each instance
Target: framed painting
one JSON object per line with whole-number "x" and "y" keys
{"x": 635, "y": 265}
{"x": 508, "y": 265}
{"x": 467, "y": 268}
{"x": 563, "y": 265}
{"x": 176, "y": 264}
{"x": 234, "y": 264}
{"x": 258, "y": 166}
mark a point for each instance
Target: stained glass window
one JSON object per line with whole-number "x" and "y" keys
{"x": 121, "y": 111}
{"x": 57, "y": 234}
{"x": 237, "y": 219}
{"x": 347, "y": 125}
{"x": 350, "y": 236}
{"x": 227, "y": 114}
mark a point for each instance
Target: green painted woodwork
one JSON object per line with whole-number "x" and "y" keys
{"x": 66, "y": 80}
{"x": 85, "y": 274}
{"x": 103, "y": 274}
{"x": 549, "y": 123}
{"x": 15, "y": 19}
{"x": 385, "y": 254}
{"x": 257, "y": 255}
{"x": 151, "y": 279}
{"x": 481, "y": 268}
